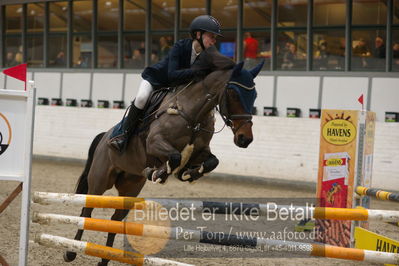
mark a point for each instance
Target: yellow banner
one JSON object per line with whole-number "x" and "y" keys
{"x": 364, "y": 239}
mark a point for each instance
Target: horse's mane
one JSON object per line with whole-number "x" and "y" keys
{"x": 211, "y": 59}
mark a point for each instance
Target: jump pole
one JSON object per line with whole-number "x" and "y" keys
{"x": 218, "y": 238}
{"x": 94, "y": 201}
{"x": 100, "y": 251}
{"x": 378, "y": 194}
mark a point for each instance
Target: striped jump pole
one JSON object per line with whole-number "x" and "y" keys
{"x": 220, "y": 238}
{"x": 100, "y": 251}
{"x": 255, "y": 209}
{"x": 378, "y": 194}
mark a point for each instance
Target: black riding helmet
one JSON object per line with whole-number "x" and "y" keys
{"x": 204, "y": 23}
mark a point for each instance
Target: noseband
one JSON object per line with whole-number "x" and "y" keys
{"x": 229, "y": 118}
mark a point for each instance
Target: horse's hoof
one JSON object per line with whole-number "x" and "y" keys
{"x": 148, "y": 173}
{"x": 155, "y": 179}
{"x": 69, "y": 256}
{"x": 185, "y": 176}
{"x": 191, "y": 175}
{"x": 102, "y": 263}
{"x": 159, "y": 176}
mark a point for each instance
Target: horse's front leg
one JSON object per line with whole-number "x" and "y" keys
{"x": 204, "y": 163}
{"x": 172, "y": 160}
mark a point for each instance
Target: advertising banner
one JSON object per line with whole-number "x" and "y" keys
{"x": 345, "y": 162}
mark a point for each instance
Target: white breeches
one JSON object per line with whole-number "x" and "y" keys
{"x": 145, "y": 90}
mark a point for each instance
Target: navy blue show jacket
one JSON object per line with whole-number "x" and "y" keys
{"x": 174, "y": 69}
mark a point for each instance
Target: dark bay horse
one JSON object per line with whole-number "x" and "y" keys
{"x": 177, "y": 140}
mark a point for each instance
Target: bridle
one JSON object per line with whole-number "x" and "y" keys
{"x": 229, "y": 118}
{"x": 211, "y": 99}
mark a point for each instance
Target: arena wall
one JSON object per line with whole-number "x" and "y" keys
{"x": 304, "y": 90}
{"x": 283, "y": 148}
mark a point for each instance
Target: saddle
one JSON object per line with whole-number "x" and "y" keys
{"x": 152, "y": 105}
{"x": 155, "y": 101}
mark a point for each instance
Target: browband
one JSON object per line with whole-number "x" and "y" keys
{"x": 241, "y": 85}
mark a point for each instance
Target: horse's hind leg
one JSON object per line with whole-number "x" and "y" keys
{"x": 82, "y": 187}
{"x": 86, "y": 212}
{"x": 70, "y": 255}
{"x": 130, "y": 186}
{"x": 95, "y": 180}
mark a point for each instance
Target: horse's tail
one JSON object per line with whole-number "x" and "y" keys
{"x": 82, "y": 186}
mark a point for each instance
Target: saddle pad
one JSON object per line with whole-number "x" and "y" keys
{"x": 151, "y": 106}
{"x": 117, "y": 129}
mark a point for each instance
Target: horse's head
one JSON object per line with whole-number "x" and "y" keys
{"x": 238, "y": 101}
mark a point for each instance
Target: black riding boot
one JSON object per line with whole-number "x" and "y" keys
{"x": 120, "y": 142}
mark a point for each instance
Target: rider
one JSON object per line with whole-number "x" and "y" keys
{"x": 173, "y": 70}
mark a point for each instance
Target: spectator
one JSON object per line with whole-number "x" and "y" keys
{"x": 19, "y": 55}
{"x": 395, "y": 55}
{"x": 341, "y": 54}
{"x": 289, "y": 57}
{"x": 169, "y": 40}
{"x": 379, "y": 50}
{"x": 379, "y": 53}
{"x": 137, "y": 59}
{"x": 361, "y": 52}
{"x": 250, "y": 50}
{"x": 60, "y": 59}
{"x": 154, "y": 57}
{"x": 361, "y": 49}
{"x": 322, "y": 55}
{"x": 164, "y": 47}
{"x": 81, "y": 62}
{"x": 10, "y": 60}
{"x": 142, "y": 48}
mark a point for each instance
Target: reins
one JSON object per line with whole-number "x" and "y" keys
{"x": 194, "y": 124}
{"x": 168, "y": 101}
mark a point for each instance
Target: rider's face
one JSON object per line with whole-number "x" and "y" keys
{"x": 209, "y": 39}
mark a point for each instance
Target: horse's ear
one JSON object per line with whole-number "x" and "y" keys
{"x": 237, "y": 69}
{"x": 255, "y": 71}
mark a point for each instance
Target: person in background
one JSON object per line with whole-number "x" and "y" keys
{"x": 173, "y": 70}
{"x": 83, "y": 61}
{"x": 290, "y": 57}
{"x": 250, "y": 50}
{"x": 154, "y": 57}
{"x": 395, "y": 55}
{"x": 10, "y": 59}
{"x": 361, "y": 52}
{"x": 163, "y": 47}
{"x": 60, "y": 59}
{"x": 142, "y": 48}
{"x": 322, "y": 55}
{"x": 137, "y": 59}
{"x": 19, "y": 55}
{"x": 379, "y": 50}
{"x": 379, "y": 53}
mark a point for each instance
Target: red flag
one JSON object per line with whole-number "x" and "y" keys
{"x": 360, "y": 99}
{"x": 18, "y": 72}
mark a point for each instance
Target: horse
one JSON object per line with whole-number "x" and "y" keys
{"x": 176, "y": 142}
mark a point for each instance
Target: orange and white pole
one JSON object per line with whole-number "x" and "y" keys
{"x": 93, "y": 201}
{"x": 317, "y": 250}
{"x": 100, "y": 251}
{"x": 378, "y": 194}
